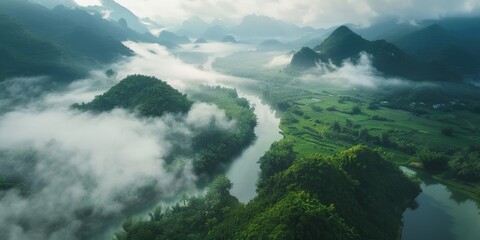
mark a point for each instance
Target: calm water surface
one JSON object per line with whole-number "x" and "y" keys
{"x": 442, "y": 213}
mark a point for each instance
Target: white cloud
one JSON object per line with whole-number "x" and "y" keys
{"x": 83, "y": 169}
{"x": 349, "y": 74}
{"x": 279, "y": 61}
{"x": 303, "y": 12}
{"x": 88, "y": 2}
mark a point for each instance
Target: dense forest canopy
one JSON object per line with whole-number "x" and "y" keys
{"x": 354, "y": 195}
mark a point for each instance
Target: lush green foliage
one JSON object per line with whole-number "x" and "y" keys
{"x": 355, "y": 195}
{"x": 298, "y": 216}
{"x": 193, "y": 220}
{"x": 465, "y": 165}
{"x": 278, "y": 158}
{"x": 148, "y": 95}
{"x": 432, "y": 160}
{"x": 216, "y": 149}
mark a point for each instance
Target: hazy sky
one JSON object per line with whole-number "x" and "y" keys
{"x": 317, "y": 13}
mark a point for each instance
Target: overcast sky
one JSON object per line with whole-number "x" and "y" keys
{"x": 317, "y": 13}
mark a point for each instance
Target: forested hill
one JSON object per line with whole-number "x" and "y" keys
{"x": 24, "y": 54}
{"x": 149, "y": 95}
{"x": 354, "y": 195}
{"x": 61, "y": 43}
{"x": 344, "y": 44}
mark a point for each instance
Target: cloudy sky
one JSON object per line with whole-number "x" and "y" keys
{"x": 317, "y": 13}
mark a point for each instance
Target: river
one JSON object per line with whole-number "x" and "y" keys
{"x": 442, "y": 213}
{"x": 245, "y": 169}
{"x": 191, "y": 66}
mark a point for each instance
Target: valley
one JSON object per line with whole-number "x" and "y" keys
{"x": 118, "y": 123}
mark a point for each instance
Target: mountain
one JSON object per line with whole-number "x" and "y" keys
{"x": 305, "y": 58}
{"x": 24, "y": 54}
{"x": 344, "y": 44}
{"x": 271, "y": 45}
{"x": 255, "y": 26}
{"x": 194, "y": 27}
{"x": 201, "y": 40}
{"x": 115, "y": 12}
{"x": 341, "y": 44}
{"x": 108, "y": 9}
{"x": 147, "y": 95}
{"x": 166, "y": 36}
{"x": 222, "y": 23}
{"x": 229, "y": 39}
{"x": 435, "y": 43}
{"x": 92, "y": 39}
{"x": 215, "y": 33}
{"x": 54, "y": 3}
{"x": 388, "y": 29}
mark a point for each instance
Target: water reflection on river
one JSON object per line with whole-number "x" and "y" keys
{"x": 442, "y": 213}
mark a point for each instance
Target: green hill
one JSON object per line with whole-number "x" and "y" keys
{"x": 149, "y": 95}
{"x": 88, "y": 38}
{"x": 340, "y": 45}
{"x": 354, "y": 195}
{"x": 305, "y": 58}
{"x": 343, "y": 44}
{"x": 24, "y": 54}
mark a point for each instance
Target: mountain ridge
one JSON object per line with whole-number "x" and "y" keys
{"x": 344, "y": 44}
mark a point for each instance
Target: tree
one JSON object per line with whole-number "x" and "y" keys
{"x": 298, "y": 216}
{"x": 356, "y": 110}
{"x": 432, "y": 160}
{"x": 466, "y": 165}
{"x": 278, "y": 158}
{"x": 336, "y": 127}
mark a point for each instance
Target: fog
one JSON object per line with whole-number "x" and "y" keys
{"x": 156, "y": 60}
{"x": 360, "y": 73}
{"x": 82, "y": 170}
{"x": 279, "y": 61}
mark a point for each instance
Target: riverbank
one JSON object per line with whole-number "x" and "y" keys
{"x": 470, "y": 189}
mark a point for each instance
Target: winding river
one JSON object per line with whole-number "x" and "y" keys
{"x": 244, "y": 170}
{"x": 442, "y": 213}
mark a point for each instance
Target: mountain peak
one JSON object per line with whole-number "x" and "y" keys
{"x": 342, "y": 30}
{"x": 341, "y": 44}
{"x": 305, "y": 58}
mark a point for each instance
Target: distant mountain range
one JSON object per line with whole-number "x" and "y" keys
{"x": 116, "y": 12}
{"x": 166, "y": 36}
{"x": 435, "y": 43}
{"x": 252, "y": 27}
{"x": 63, "y": 41}
{"x": 388, "y": 59}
